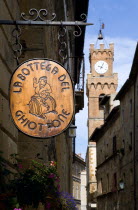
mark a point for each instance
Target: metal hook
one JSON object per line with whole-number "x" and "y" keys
{"x": 77, "y": 33}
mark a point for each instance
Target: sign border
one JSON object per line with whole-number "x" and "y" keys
{"x": 73, "y": 114}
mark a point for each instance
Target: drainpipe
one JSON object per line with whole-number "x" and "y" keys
{"x": 134, "y": 149}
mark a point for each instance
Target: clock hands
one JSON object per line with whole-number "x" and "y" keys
{"x": 101, "y": 66}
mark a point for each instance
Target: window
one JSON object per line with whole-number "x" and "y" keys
{"x": 114, "y": 182}
{"x": 131, "y": 139}
{"x": 124, "y": 177}
{"x": 123, "y": 147}
{"x": 100, "y": 99}
{"x": 114, "y": 145}
{"x": 100, "y": 186}
{"x": 76, "y": 170}
{"x": 77, "y": 192}
{"x": 107, "y": 182}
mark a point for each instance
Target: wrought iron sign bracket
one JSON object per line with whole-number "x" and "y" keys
{"x": 44, "y": 23}
{"x": 38, "y": 18}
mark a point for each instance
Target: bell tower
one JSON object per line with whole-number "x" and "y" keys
{"x": 101, "y": 81}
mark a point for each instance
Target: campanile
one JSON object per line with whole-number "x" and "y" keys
{"x": 101, "y": 81}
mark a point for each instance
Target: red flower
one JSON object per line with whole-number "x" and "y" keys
{"x": 57, "y": 179}
{"x": 52, "y": 163}
{"x": 20, "y": 165}
{"x": 51, "y": 176}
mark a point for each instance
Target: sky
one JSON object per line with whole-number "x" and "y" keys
{"x": 121, "y": 28}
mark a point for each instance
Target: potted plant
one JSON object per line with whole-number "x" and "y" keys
{"x": 33, "y": 185}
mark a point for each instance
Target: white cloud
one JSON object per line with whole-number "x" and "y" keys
{"x": 123, "y": 58}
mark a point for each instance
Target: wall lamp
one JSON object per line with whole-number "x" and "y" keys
{"x": 72, "y": 131}
{"x": 121, "y": 185}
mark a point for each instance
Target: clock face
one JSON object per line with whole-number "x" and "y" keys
{"x": 101, "y": 67}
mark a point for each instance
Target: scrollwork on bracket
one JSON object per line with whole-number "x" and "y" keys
{"x": 63, "y": 45}
{"x": 35, "y": 14}
{"x": 17, "y": 46}
{"x": 61, "y": 36}
{"x": 83, "y": 16}
{"x": 78, "y": 32}
{"x": 42, "y": 15}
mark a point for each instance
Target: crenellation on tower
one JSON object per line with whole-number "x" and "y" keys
{"x": 91, "y": 47}
{"x": 101, "y": 46}
{"x": 111, "y": 47}
{"x": 105, "y": 56}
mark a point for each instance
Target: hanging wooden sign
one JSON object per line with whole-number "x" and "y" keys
{"x": 41, "y": 98}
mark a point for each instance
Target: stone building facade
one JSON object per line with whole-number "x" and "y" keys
{"x": 39, "y": 42}
{"x": 101, "y": 81}
{"x": 117, "y": 148}
{"x": 83, "y": 190}
{"x": 78, "y": 167}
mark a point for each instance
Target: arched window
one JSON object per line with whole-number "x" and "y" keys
{"x": 77, "y": 192}
{"x": 100, "y": 99}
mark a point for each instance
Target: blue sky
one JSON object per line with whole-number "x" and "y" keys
{"x": 121, "y": 28}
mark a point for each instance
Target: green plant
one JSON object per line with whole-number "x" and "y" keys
{"x": 34, "y": 184}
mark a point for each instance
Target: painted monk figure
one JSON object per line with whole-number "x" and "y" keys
{"x": 41, "y": 102}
